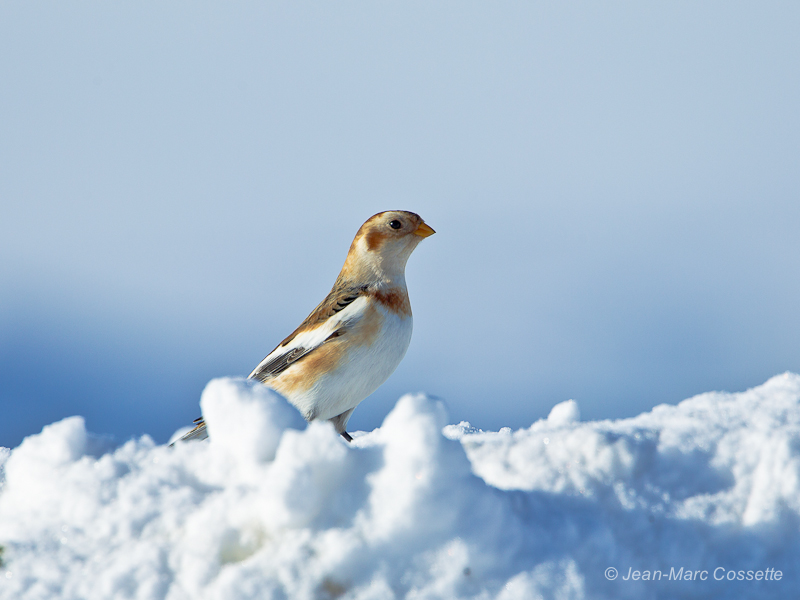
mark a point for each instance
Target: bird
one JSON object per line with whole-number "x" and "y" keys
{"x": 356, "y": 337}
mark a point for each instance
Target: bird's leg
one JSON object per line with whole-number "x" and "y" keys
{"x": 340, "y": 422}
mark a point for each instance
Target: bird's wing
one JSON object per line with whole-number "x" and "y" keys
{"x": 342, "y": 307}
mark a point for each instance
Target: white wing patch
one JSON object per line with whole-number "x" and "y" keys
{"x": 307, "y": 341}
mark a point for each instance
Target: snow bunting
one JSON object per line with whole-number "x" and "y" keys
{"x": 356, "y": 337}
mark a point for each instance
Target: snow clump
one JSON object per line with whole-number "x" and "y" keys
{"x": 272, "y": 507}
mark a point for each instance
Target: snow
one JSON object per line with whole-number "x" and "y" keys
{"x": 270, "y": 507}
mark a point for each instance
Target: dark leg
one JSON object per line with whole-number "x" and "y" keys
{"x": 340, "y": 422}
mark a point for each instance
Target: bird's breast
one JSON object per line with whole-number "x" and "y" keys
{"x": 340, "y": 374}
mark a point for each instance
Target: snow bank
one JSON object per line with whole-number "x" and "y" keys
{"x": 273, "y": 508}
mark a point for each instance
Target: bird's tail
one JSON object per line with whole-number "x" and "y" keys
{"x": 198, "y": 433}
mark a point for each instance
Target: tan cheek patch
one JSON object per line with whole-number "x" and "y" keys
{"x": 375, "y": 239}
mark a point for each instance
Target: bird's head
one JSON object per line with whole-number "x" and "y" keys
{"x": 383, "y": 244}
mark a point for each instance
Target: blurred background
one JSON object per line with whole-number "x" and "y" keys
{"x": 615, "y": 187}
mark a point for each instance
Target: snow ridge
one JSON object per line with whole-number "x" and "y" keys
{"x": 272, "y": 507}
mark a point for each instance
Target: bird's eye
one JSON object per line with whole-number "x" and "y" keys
{"x": 395, "y": 224}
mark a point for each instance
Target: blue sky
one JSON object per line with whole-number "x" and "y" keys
{"x": 615, "y": 190}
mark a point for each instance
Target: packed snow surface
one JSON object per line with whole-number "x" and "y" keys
{"x": 698, "y": 500}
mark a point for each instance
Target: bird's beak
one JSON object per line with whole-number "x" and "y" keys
{"x": 424, "y": 230}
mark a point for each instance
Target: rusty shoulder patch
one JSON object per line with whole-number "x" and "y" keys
{"x": 395, "y": 300}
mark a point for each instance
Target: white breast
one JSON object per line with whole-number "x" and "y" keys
{"x": 362, "y": 370}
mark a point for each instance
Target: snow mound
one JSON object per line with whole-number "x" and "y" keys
{"x": 272, "y": 507}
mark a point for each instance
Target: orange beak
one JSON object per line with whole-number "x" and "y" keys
{"x": 424, "y": 230}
